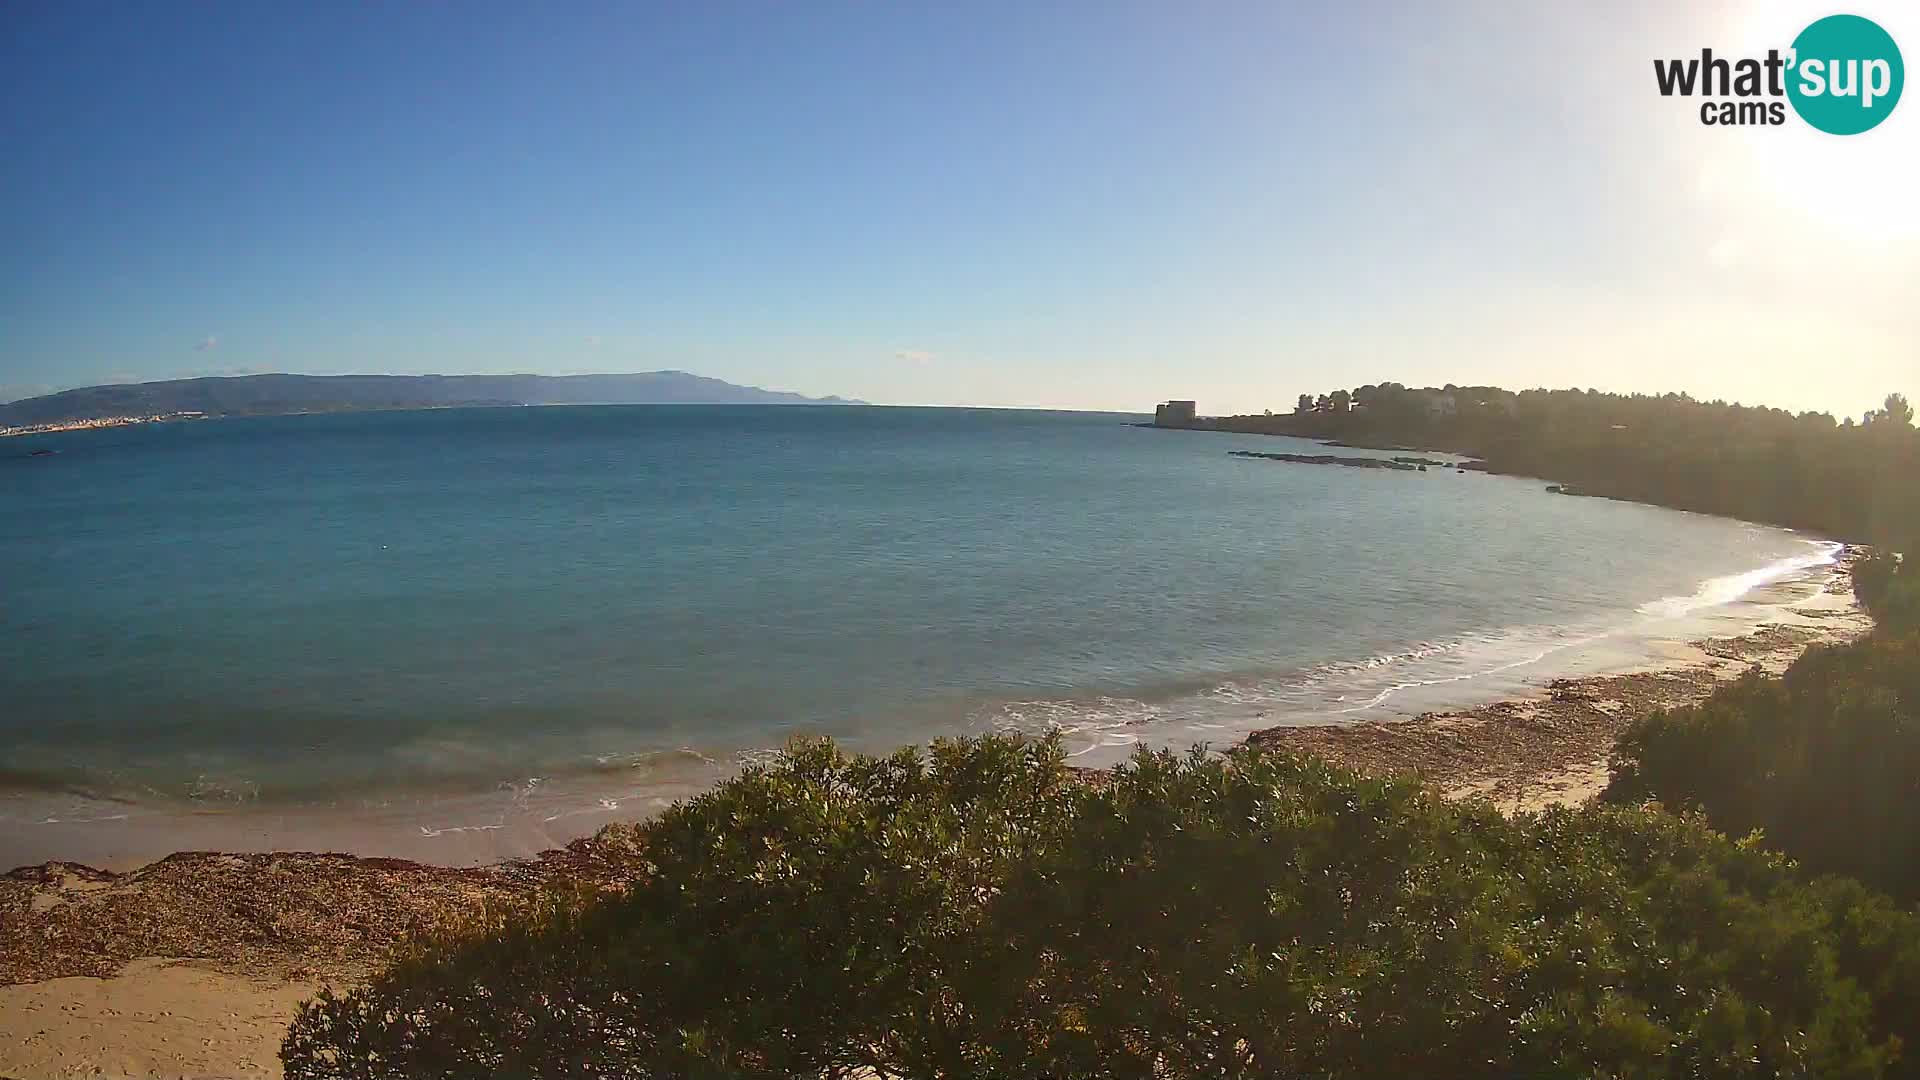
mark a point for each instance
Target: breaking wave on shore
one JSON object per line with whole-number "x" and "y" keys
{"x": 1427, "y": 676}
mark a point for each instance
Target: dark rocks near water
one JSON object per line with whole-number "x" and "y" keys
{"x": 1329, "y": 459}
{"x": 1397, "y": 464}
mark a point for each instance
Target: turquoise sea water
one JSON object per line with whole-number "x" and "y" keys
{"x": 558, "y": 607}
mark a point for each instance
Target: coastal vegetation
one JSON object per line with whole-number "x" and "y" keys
{"x": 1806, "y": 470}
{"x": 1823, "y": 762}
{"x": 1741, "y": 904}
{"x": 982, "y": 910}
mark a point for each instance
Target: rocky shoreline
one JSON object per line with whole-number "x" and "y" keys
{"x": 278, "y": 916}
{"x": 1530, "y": 753}
{"x": 1397, "y": 464}
{"x": 195, "y": 964}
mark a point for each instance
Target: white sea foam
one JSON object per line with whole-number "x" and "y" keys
{"x": 1724, "y": 590}
{"x": 452, "y": 829}
{"x": 1505, "y": 660}
{"x": 1527, "y": 660}
{"x": 222, "y": 789}
{"x": 756, "y": 755}
{"x": 600, "y": 806}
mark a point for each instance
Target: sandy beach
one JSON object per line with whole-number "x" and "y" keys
{"x": 192, "y": 965}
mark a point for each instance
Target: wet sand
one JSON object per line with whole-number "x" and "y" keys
{"x": 1527, "y": 754}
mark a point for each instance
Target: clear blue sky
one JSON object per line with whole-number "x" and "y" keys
{"x": 1081, "y": 205}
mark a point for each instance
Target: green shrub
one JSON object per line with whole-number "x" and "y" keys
{"x": 1888, "y": 585}
{"x": 978, "y": 911}
{"x": 1825, "y": 761}
{"x": 1873, "y": 575}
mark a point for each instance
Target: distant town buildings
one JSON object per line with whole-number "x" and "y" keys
{"x": 1173, "y": 414}
{"x": 96, "y": 422}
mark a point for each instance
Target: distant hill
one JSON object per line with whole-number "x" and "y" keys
{"x": 268, "y": 395}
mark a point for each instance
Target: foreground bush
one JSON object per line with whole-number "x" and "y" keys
{"x": 980, "y": 912}
{"x": 1888, "y": 585}
{"x": 1825, "y": 761}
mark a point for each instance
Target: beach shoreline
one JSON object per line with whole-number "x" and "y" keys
{"x": 1527, "y": 754}
{"x": 194, "y": 963}
{"x": 517, "y": 816}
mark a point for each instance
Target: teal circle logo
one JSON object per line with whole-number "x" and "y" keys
{"x": 1847, "y": 74}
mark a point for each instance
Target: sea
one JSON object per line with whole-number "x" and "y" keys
{"x": 466, "y": 634}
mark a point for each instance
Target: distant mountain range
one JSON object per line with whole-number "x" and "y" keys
{"x": 269, "y": 395}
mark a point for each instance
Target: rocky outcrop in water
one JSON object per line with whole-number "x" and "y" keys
{"x": 1330, "y": 459}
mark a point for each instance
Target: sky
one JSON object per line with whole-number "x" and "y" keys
{"x": 1071, "y": 205}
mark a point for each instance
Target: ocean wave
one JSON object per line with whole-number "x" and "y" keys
{"x": 1341, "y": 691}
{"x": 647, "y": 759}
{"x": 207, "y": 788}
{"x": 445, "y": 830}
{"x": 66, "y": 781}
{"x": 1725, "y": 590}
{"x": 1215, "y": 710}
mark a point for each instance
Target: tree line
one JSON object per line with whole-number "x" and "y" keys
{"x": 1806, "y": 470}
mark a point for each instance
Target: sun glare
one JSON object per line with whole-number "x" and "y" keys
{"x": 1862, "y": 183}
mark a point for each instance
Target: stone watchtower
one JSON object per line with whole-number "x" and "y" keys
{"x": 1173, "y": 414}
